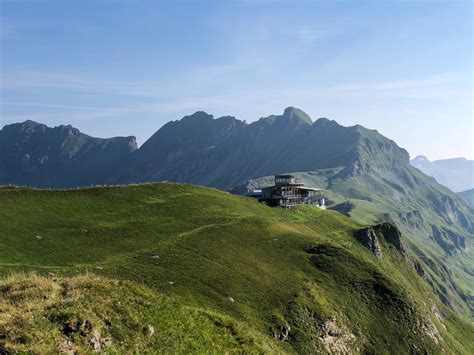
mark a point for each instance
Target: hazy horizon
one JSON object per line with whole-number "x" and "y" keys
{"x": 121, "y": 68}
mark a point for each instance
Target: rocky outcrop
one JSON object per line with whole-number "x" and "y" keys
{"x": 413, "y": 219}
{"x": 371, "y": 237}
{"x": 284, "y": 332}
{"x": 336, "y": 340}
{"x": 450, "y": 241}
{"x": 392, "y": 235}
{"x": 426, "y": 327}
{"x": 368, "y": 238}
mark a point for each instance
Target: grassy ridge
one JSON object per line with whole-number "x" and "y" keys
{"x": 298, "y": 281}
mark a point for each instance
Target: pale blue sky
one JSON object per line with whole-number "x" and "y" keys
{"x": 127, "y": 67}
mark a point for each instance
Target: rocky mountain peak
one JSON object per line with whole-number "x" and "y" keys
{"x": 28, "y": 127}
{"x": 198, "y": 116}
{"x": 68, "y": 130}
{"x": 324, "y": 122}
{"x": 132, "y": 142}
{"x": 295, "y": 114}
{"x": 291, "y": 117}
{"x": 420, "y": 159}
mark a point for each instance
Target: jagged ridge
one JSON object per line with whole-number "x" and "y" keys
{"x": 36, "y": 155}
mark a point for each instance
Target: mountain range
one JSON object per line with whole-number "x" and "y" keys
{"x": 455, "y": 173}
{"x": 197, "y": 149}
{"x": 33, "y": 154}
{"x": 366, "y": 176}
{"x": 225, "y": 152}
{"x": 468, "y": 196}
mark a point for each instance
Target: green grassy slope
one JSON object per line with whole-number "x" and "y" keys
{"x": 290, "y": 282}
{"x": 441, "y": 233}
{"x": 437, "y": 226}
{"x": 87, "y": 312}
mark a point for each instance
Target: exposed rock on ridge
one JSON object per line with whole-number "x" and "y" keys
{"x": 370, "y": 237}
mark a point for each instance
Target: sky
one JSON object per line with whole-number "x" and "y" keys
{"x": 125, "y": 68}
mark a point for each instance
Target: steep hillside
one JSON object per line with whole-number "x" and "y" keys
{"x": 456, "y": 173}
{"x": 33, "y": 154}
{"x": 225, "y": 270}
{"x": 438, "y": 224}
{"x": 468, "y": 196}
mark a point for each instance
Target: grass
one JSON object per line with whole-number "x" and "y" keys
{"x": 223, "y": 257}
{"x": 81, "y": 313}
{"x": 437, "y": 226}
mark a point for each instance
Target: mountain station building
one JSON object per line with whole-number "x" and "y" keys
{"x": 288, "y": 193}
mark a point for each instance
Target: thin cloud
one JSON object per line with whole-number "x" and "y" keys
{"x": 310, "y": 35}
{"x": 33, "y": 79}
{"x": 46, "y": 105}
{"x": 228, "y": 100}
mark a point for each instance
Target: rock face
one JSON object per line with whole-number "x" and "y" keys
{"x": 368, "y": 238}
{"x": 392, "y": 235}
{"x": 284, "y": 332}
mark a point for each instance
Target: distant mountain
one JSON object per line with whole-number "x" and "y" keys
{"x": 198, "y": 149}
{"x": 225, "y": 152}
{"x": 468, "y": 196}
{"x": 36, "y": 155}
{"x": 456, "y": 173}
